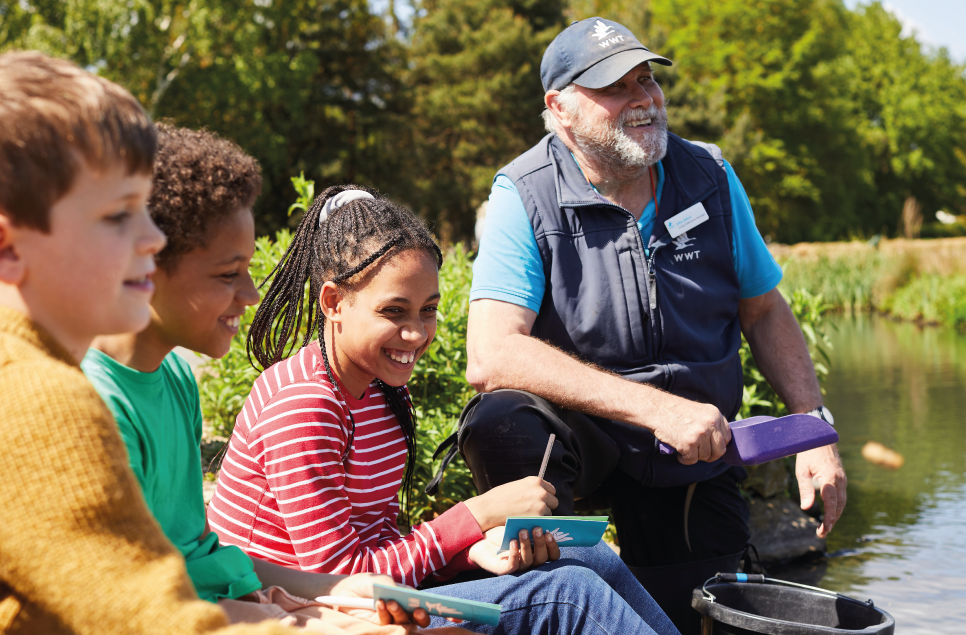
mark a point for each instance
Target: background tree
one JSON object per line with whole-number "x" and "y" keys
{"x": 476, "y": 99}
{"x": 303, "y": 86}
{"x": 832, "y": 118}
{"x": 911, "y": 114}
{"x": 829, "y": 117}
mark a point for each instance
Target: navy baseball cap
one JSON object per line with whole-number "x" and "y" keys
{"x": 593, "y": 53}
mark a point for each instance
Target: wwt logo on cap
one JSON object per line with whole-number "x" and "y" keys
{"x": 601, "y": 31}
{"x": 593, "y": 53}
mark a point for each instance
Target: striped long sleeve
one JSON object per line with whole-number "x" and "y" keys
{"x": 288, "y": 491}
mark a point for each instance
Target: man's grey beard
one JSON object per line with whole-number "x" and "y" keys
{"x": 612, "y": 149}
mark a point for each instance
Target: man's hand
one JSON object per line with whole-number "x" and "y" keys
{"x": 825, "y": 466}
{"x": 530, "y": 496}
{"x": 698, "y": 431}
{"x": 520, "y": 557}
{"x": 360, "y": 586}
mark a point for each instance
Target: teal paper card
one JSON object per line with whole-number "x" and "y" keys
{"x": 568, "y": 531}
{"x": 410, "y": 600}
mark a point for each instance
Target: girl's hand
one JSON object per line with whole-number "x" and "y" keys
{"x": 360, "y": 586}
{"x": 529, "y": 496}
{"x": 520, "y": 557}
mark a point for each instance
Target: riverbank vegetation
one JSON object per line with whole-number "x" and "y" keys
{"x": 919, "y": 280}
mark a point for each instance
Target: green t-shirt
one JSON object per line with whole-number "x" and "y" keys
{"x": 159, "y": 416}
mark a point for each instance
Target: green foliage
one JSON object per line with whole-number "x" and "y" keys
{"x": 828, "y": 132}
{"x": 828, "y": 135}
{"x": 476, "y": 98}
{"x": 846, "y": 282}
{"x": 932, "y": 299}
{"x": 306, "y": 194}
{"x": 911, "y": 115}
{"x": 300, "y": 84}
{"x": 759, "y": 397}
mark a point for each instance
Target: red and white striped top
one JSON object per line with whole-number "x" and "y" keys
{"x": 285, "y": 495}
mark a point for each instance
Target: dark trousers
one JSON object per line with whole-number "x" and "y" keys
{"x": 672, "y": 538}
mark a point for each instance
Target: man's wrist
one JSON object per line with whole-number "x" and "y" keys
{"x": 824, "y": 414}
{"x": 650, "y": 414}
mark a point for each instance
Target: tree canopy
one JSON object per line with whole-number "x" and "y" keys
{"x": 831, "y": 117}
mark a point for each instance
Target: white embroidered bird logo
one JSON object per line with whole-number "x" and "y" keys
{"x": 442, "y": 609}
{"x": 601, "y": 30}
{"x": 683, "y": 241}
{"x": 561, "y": 536}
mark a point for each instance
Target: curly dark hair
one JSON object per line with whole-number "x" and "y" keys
{"x": 199, "y": 179}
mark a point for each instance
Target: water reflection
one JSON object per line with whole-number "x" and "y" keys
{"x": 902, "y": 540}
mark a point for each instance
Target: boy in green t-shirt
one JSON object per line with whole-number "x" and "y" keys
{"x": 204, "y": 189}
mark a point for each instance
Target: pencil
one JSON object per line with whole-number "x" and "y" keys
{"x": 347, "y": 602}
{"x": 546, "y": 456}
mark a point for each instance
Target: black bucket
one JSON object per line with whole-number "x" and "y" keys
{"x": 737, "y": 604}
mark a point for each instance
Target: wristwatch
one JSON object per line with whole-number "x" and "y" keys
{"x": 824, "y": 414}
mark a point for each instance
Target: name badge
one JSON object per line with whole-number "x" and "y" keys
{"x": 688, "y": 219}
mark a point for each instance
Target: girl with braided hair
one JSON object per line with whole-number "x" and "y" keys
{"x": 327, "y": 436}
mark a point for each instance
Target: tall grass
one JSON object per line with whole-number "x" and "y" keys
{"x": 932, "y": 299}
{"x": 914, "y": 280}
{"x": 846, "y": 282}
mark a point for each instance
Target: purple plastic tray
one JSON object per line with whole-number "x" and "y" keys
{"x": 761, "y": 439}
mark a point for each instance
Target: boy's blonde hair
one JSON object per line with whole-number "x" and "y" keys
{"x": 51, "y": 111}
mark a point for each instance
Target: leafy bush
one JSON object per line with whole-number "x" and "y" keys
{"x": 759, "y": 397}
{"x": 847, "y": 281}
{"x": 932, "y": 299}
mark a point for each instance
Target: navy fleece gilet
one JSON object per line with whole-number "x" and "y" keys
{"x": 666, "y": 315}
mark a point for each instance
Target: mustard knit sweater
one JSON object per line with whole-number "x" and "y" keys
{"x": 79, "y": 550}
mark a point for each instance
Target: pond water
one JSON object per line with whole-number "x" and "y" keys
{"x": 902, "y": 539}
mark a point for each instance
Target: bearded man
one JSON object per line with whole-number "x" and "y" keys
{"x": 618, "y": 267}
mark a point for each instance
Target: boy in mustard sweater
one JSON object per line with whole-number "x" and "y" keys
{"x": 79, "y": 550}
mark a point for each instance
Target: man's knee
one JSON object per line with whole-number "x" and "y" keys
{"x": 505, "y": 420}
{"x": 503, "y": 435}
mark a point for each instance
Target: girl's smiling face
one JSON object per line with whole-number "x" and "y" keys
{"x": 385, "y": 323}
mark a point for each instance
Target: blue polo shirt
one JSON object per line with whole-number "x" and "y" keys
{"x": 509, "y": 268}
